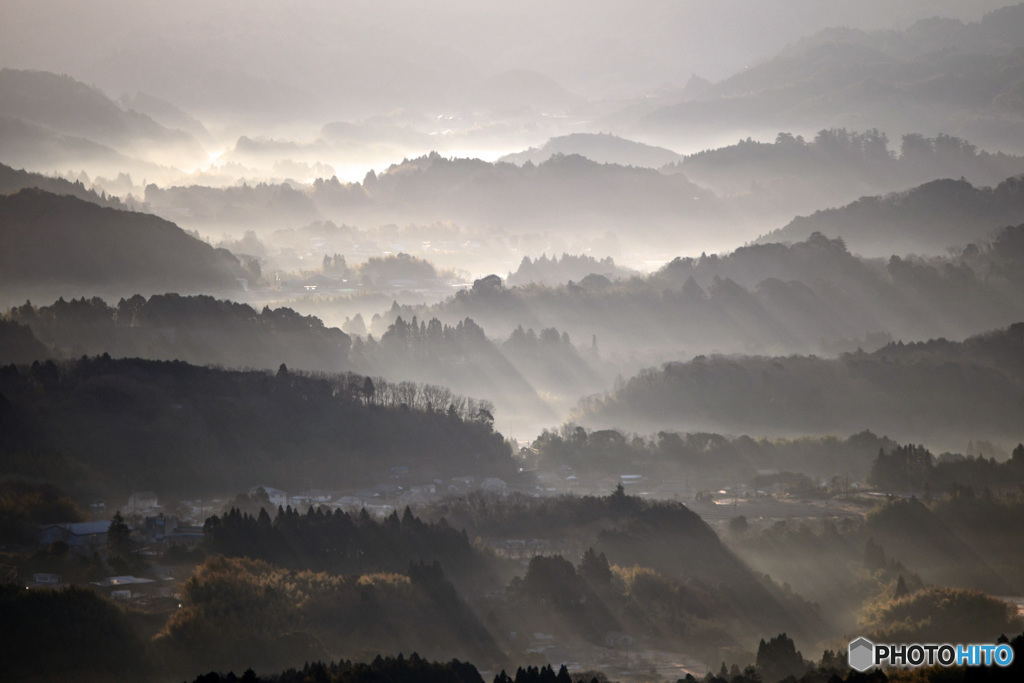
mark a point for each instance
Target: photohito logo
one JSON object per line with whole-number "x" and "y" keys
{"x": 864, "y": 654}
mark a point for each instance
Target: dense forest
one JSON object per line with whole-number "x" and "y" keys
{"x": 196, "y": 329}
{"x": 813, "y": 296}
{"x": 514, "y": 373}
{"x": 100, "y": 425}
{"x": 946, "y": 390}
{"x": 707, "y": 461}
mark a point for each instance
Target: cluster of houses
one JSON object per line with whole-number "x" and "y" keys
{"x": 383, "y": 498}
{"x": 86, "y": 538}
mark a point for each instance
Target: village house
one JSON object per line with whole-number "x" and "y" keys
{"x": 126, "y": 587}
{"x": 278, "y": 498}
{"x": 81, "y": 537}
{"x": 41, "y": 580}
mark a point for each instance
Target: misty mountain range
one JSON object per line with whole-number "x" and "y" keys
{"x": 813, "y": 296}
{"x": 615, "y": 335}
{"x": 809, "y": 296}
{"x": 54, "y": 121}
{"x": 935, "y": 76}
{"x": 398, "y": 54}
{"x": 733, "y": 188}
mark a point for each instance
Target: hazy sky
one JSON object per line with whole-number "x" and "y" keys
{"x": 331, "y": 60}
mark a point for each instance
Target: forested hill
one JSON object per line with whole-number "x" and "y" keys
{"x": 837, "y": 158}
{"x": 937, "y": 391}
{"x": 927, "y": 219}
{"x": 813, "y": 296}
{"x": 600, "y": 147}
{"x": 101, "y": 426}
{"x": 662, "y": 536}
{"x": 12, "y": 180}
{"x": 565, "y": 193}
{"x": 796, "y": 177}
{"x": 56, "y": 244}
{"x": 195, "y": 329}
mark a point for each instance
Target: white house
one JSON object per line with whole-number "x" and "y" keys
{"x": 278, "y": 498}
{"x": 142, "y": 500}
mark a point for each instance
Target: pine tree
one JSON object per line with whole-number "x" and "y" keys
{"x": 119, "y": 535}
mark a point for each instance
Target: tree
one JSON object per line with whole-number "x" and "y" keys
{"x": 901, "y": 589}
{"x": 594, "y": 568}
{"x": 779, "y": 658}
{"x": 874, "y": 555}
{"x": 738, "y": 525}
{"x": 119, "y": 540}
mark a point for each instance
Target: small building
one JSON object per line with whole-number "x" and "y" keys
{"x": 81, "y": 537}
{"x": 46, "y": 579}
{"x": 159, "y": 527}
{"x": 126, "y": 587}
{"x": 462, "y": 483}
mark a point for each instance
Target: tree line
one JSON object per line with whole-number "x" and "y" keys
{"x": 340, "y": 543}
{"x": 98, "y": 426}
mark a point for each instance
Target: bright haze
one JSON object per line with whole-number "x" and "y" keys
{"x": 676, "y": 340}
{"x": 369, "y": 161}
{"x": 239, "y": 63}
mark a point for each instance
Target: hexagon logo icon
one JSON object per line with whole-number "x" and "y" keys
{"x": 862, "y": 654}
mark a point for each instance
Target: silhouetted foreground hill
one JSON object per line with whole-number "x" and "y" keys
{"x": 927, "y": 219}
{"x": 19, "y": 345}
{"x": 60, "y": 244}
{"x": 938, "y": 389}
{"x": 194, "y": 329}
{"x": 391, "y": 669}
{"x": 100, "y": 425}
